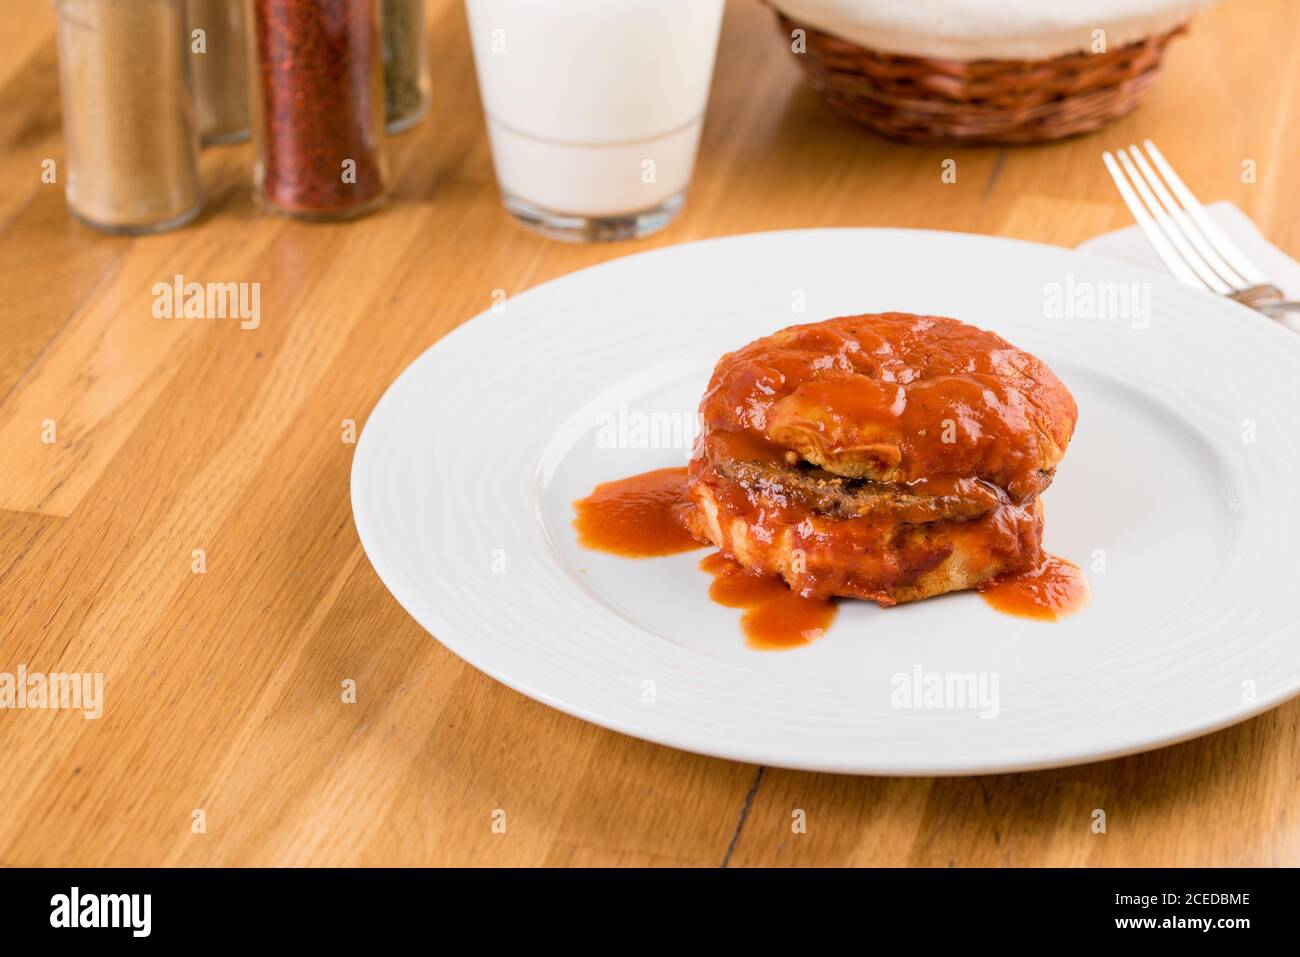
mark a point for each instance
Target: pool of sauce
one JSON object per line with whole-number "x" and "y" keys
{"x": 642, "y": 517}
{"x": 775, "y": 617}
{"x": 1050, "y": 590}
{"x": 636, "y": 517}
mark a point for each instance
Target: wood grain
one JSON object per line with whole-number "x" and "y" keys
{"x": 224, "y": 689}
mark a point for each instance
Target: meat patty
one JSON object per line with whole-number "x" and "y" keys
{"x": 837, "y": 497}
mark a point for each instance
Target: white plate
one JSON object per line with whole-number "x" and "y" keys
{"x": 1177, "y": 496}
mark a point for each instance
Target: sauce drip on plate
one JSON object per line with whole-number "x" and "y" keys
{"x": 637, "y": 517}
{"x": 1050, "y": 590}
{"x": 642, "y": 517}
{"x": 775, "y": 617}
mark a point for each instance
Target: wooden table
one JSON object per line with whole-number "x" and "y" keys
{"x": 224, "y": 688}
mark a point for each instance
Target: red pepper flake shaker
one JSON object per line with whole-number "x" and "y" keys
{"x": 318, "y": 106}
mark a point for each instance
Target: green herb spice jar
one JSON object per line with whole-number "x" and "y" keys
{"x": 219, "y": 60}
{"x": 130, "y": 148}
{"x": 406, "y": 66}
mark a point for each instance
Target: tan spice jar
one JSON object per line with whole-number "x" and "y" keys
{"x": 131, "y": 152}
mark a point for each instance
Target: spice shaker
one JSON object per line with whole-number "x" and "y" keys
{"x": 128, "y": 122}
{"x": 317, "y": 106}
{"x": 219, "y": 61}
{"x": 406, "y": 67}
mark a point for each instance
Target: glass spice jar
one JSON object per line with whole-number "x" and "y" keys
{"x": 317, "y": 107}
{"x": 128, "y": 123}
{"x": 406, "y": 66}
{"x": 219, "y": 61}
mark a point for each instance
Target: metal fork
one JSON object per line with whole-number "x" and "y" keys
{"x": 1191, "y": 245}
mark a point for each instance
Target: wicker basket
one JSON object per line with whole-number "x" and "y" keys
{"x": 924, "y": 100}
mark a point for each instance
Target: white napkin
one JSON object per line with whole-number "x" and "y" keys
{"x": 1131, "y": 246}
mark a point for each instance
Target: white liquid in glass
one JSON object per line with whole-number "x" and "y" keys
{"x": 594, "y": 107}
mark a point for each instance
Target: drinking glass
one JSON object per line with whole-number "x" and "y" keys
{"x": 594, "y": 108}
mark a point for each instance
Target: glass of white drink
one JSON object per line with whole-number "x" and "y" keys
{"x": 594, "y": 108}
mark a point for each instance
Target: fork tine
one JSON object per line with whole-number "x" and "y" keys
{"x": 1166, "y": 223}
{"x": 1154, "y": 236}
{"x": 1225, "y": 246}
{"x": 1184, "y": 223}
